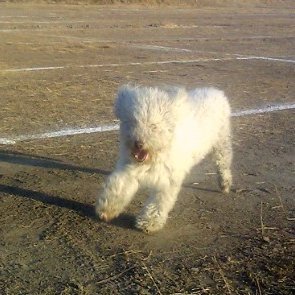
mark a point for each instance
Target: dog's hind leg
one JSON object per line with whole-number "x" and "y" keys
{"x": 222, "y": 152}
{"x": 118, "y": 191}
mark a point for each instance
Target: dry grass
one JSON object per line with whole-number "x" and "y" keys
{"x": 196, "y": 3}
{"x": 255, "y": 267}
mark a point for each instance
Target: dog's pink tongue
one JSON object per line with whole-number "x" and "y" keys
{"x": 140, "y": 155}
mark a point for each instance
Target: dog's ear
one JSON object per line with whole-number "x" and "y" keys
{"x": 124, "y": 101}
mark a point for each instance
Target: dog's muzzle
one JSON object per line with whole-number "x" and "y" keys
{"x": 139, "y": 153}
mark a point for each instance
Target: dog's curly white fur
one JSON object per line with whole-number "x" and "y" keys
{"x": 163, "y": 134}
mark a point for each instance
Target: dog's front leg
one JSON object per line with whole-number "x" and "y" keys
{"x": 155, "y": 212}
{"x": 118, "y": 191}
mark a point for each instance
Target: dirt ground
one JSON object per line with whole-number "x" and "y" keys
{"x": 60, "y": 67}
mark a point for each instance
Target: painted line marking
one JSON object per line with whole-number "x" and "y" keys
{"x": 81, "y": 39}
{"x": 61, "y": 133}
{"x": 115, "y": 127}
{"x": 149, "y": 63}
{"x": 25, "y": 30}
{"x": 35, "y": 69}
{"x": 116, "y": 64}
{"x": 263, "y": 110}
{"x": 269, "y": 58}
{"x": 239, "y": 56}
{"x": 161, "y": 48}
{"x": 13, "y": 16}
{"x": 70, "y": 22}
{"x": 94, "y": 40}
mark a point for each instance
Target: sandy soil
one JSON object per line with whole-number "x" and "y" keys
{"x": 50, "y": 240}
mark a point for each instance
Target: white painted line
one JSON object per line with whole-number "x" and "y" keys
{"x": 263, "y": 110}
{"x": 118, "y": 64}
{"x": 114, "y": 127}
{"x": 31, "y": 69}
{"x": 70, "y": 22}
{"x": 60, "y": 133}
{"x": 7, "y": 141}
{"x": 13, "y": 16}
{"x": 35, "y": 69}
{"x": 162, "y": 48}
{"x": 269, "y": 58}
{"x": 239, "y": 56}
{"x": 25, "y": 30}
{"x": 81, "y": 39}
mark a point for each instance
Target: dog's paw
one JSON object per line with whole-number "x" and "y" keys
{"x": 149, "y": 225}
{"x": 225, "y": 182}
{"x": 225, "y": 189}
{"x": 225, "y": 186}
{"x": 105, "y": 214}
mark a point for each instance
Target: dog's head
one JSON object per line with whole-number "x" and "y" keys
{"x": 148, "y": 118}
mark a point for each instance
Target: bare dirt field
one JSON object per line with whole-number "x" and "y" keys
{"x": 60, "y": 67}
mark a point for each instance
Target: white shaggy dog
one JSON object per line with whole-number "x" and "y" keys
{"x": 163, "y": 134}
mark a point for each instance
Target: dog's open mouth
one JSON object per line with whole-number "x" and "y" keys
{"x": 140, "y": 154}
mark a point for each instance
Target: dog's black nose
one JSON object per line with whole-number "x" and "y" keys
{"x": 138, "y": 144}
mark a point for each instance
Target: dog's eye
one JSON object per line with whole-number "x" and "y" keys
{"x": 129, "y": 123}
{"x": 153, "y": 127}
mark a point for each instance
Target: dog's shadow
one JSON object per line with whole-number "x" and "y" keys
{"x": 192, "y": 186}
{"x": 44, "y": 162}
{"x": 124, "y": 220}
{"x": 11, "y": 157}
{"x": 85, "y": 209}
